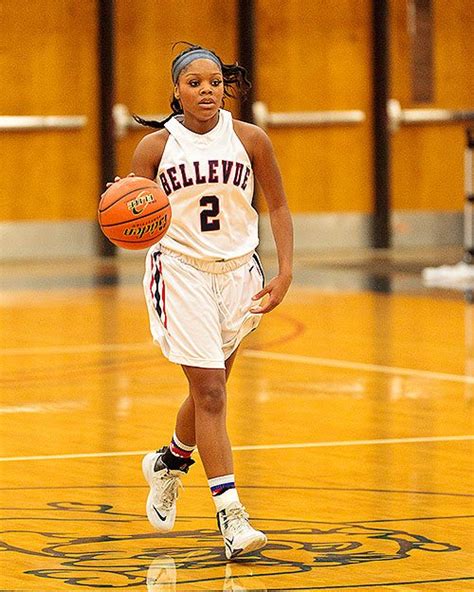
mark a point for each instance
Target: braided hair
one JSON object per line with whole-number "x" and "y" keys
{"x": 236, "y": 83}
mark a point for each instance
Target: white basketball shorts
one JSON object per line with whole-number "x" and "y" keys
{"x": 199, "y": 310}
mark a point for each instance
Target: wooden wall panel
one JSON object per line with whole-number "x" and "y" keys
{"x": 311, "y": 55}
{"x": 427, "y": 160}
{"x": 315, "y": 55}
{"x": 48, "y": 65}
{"x": 146, "y": 32}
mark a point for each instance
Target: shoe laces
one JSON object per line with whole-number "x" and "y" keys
{"x": 236, "y": 520}
{"x": 168, "y": 487}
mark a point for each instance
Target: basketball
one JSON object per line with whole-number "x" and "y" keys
{"x": 134, "y": 213}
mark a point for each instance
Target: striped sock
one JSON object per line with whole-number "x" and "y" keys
{"x": 178, "y": 455}
{"x": 223, "y": 491}
{"x": 177, "y": 448}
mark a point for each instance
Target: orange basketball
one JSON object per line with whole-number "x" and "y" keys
{"x": 134, "y": 213}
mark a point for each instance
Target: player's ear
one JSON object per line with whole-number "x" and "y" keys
{"x": 176, "y": 92}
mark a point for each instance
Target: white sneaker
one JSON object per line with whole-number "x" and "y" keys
{"x": 164, "y": 485}
{"x": 239, "y": 536}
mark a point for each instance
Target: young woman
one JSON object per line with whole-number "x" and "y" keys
{"x": 204, "y": 283}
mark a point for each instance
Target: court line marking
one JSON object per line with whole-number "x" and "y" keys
{"x": 88, "y": 348}
{"x": 426, "y": 439}
{"x": 248, "y": 353}
{"x": 50, "y": 407}
{"x": 344, "y": 364}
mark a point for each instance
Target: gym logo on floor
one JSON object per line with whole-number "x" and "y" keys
{"x": 119, "y": 550}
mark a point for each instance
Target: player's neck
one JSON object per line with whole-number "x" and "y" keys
{"x": 199, "y": 126}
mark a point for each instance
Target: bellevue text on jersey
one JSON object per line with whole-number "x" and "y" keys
{"x": 212, "y": 171}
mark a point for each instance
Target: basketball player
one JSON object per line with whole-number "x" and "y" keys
{"x": 204, "y": 283}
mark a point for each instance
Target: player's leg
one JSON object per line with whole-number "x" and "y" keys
{"x": 166, "y": 280}
{"x": 208, "y": 389}
{"x": 185, "y": 420}
{"x": 185, "y": 423}
{"x": 163, "y": 468}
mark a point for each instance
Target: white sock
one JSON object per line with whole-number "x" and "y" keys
{"x": 228, "y": 496}
{"x": 225, "y": 499}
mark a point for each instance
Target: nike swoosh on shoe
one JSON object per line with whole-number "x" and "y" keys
{"x": 162, "y": 518}
{"x": 228, "y": 545}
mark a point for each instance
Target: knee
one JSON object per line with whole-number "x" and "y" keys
{"x": 211, "y": 398}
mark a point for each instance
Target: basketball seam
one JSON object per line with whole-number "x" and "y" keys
{"x": 135, "y": 219}
{"x": 125, "y": 195}
{"x": 134, "y": 242}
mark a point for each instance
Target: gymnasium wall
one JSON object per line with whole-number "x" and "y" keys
{"x": 49, "y": 67}
{"x": 428, "y": 159}
{"x": 311, "y": 55}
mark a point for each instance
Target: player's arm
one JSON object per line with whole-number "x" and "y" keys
{"x": 147, "y": 156}
{"x": 148, "y": 153}
{"x": 267, "y": 173}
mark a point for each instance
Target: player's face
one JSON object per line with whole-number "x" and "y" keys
{"x": 200, "y": 89}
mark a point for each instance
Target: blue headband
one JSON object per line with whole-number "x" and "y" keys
{"x": 190, "y": 56}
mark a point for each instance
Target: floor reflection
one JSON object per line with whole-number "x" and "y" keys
{"x": 162, "y": 576}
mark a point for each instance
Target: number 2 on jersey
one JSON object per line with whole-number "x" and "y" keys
{"x": 209, "y": 215}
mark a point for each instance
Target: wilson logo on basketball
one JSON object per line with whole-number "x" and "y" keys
{"x": 150, "y": 228}
{"x": 138, "y": 205}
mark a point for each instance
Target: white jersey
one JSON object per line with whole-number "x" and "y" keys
{"x": 210, "y": 184}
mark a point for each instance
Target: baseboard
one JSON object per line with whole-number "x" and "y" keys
{"x": 313, "y": 232}
{"x": 48, "y": 239}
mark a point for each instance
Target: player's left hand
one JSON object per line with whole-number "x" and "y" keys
{"x": 276, "y": 289}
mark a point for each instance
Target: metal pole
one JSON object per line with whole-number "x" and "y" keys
{"x": 469, "y": 195}
{"x": 381, "y": 234}
{"x": 106, "y": 38}
{"x": 246, "y": 43}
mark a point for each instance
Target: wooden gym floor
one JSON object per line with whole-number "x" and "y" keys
{"x": 350, "y": 412}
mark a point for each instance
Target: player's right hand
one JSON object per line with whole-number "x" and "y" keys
{"x": 118, "y": 179}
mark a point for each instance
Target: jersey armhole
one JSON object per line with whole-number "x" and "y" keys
{"x": 149, "y": 152}
{"x": 166, "y": 140}
{"x": 164, "y": 137}
{"x": 239, "y": 131}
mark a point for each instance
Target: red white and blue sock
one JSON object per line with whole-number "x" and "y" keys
{"x": 178, "y": 453}
{"x": 179, "y": 449}
{"x": 223, "y": 491}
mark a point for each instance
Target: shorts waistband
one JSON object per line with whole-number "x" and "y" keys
{"x": 209, "y": 266}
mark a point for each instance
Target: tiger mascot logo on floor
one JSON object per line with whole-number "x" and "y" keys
{"x": 120, "y": 551}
